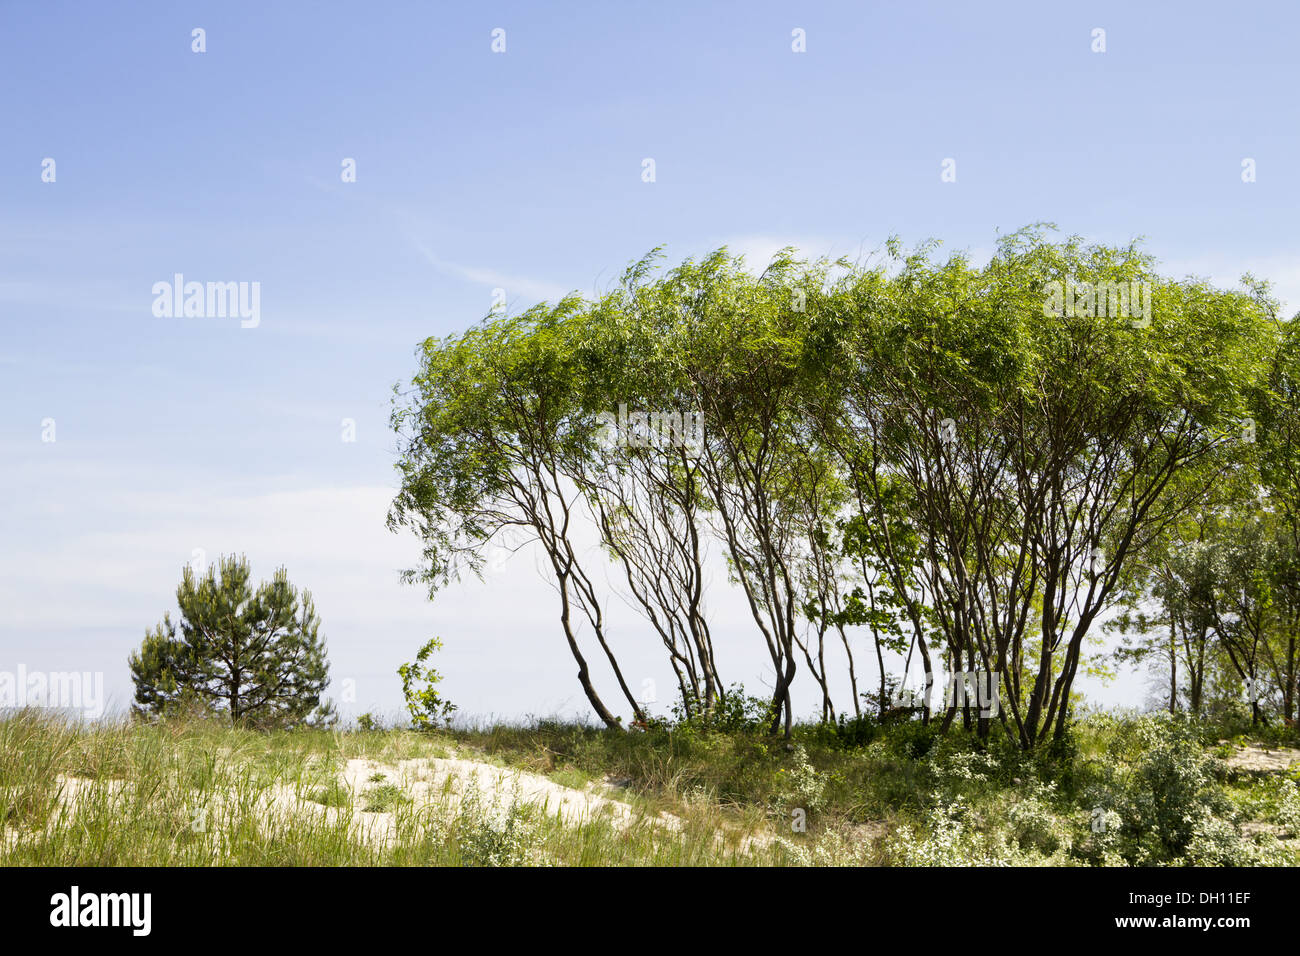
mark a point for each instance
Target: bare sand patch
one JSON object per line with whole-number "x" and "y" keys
{"x": 1256, "y": 758}
{"x": 430, "y": 791}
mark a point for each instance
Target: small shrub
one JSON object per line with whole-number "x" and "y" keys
{"x": 958, "y": 771}
{"x": 385, "y": 798}
{"x": 912, "y": 739}
{"x": 734, "y": 713}
{"x": 1162, "y": 784}
{"x": 426, "y": 704}
{"x": 333, "y": 794}
{"x": 801, "y": 785}
{"x": 493, "y": 835}
{"x": 1216, "y": 842}
{"x": 948, "y": 838}
{"x": 1034, "y": 824}
{"x": 1287, "y": 814}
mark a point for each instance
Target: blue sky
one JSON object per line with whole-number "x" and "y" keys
{"x": 519, "y": 170}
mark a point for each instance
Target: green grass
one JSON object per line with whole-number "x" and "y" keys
{"x": 333, "y": 794}
{"x": 385, "y": 799}
{"x": 202, "y": 793}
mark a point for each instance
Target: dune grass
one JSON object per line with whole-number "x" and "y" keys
{"x": 201, "y": 793}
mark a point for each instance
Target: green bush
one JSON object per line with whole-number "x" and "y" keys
{"x": 492, "y": 835}
{"x": 950, "y": 836}
{"x": 1163, "y": 786}
{"x": 734, "y": 713}
{"x": 426, "y": 704}
{"x": 801, "y": 785}
{"x": 1035, "y": 824}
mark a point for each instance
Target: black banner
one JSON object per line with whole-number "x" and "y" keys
{"x": 294, "y": 905}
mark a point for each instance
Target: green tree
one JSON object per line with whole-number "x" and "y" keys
{"x": 426, "y": 704}
{"x": 1279, "y": 439}
{"x": 253, "y": 654}
{"x": 1040, "y": 449}
{"x": 1166, "y": 618}
{"x": 971, "y": 460}
{"x": 649, "y": 497}
{"x": 744, "y": 349}
{"x": 493, "y": 432}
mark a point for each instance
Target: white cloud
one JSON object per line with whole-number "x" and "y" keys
{"x": 491, "y": 278}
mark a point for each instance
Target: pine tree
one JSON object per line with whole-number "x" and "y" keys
{"x": 255, "y": 655}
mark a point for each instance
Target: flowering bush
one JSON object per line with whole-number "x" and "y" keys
{"x": 801, "y": 785}
{"x": 949, "y": 838}
{"x": 493, "y": 834}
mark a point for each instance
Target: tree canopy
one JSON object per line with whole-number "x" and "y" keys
{"x": 253, "y": 654}
{"x": 961, "y": 464}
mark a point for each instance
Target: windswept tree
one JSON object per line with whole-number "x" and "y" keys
{"x": 644, "y": 482}
{"x": 254, "y": 654}
{"x": 1243, "y": 606}
{"x": 745, "y": 353}
{"x": 1038, "y": 445}
{"x": 1216, "y": 603}
{"x": 964, "y": 464}
{"x": 493, "y": 432}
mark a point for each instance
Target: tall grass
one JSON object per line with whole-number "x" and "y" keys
{"x": 198, "y": 792}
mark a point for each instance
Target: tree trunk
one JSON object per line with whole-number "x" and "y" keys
{"x": 1173, "y": 666}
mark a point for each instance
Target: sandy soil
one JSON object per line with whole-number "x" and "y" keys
{"x": 433, "y": 785}
{"x": 441, "y": 783}
{"x": 1256, "y": 758}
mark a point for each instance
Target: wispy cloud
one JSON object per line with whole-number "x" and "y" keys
{"x": 491, "y": 278}
{"x": 85, "y": 295}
